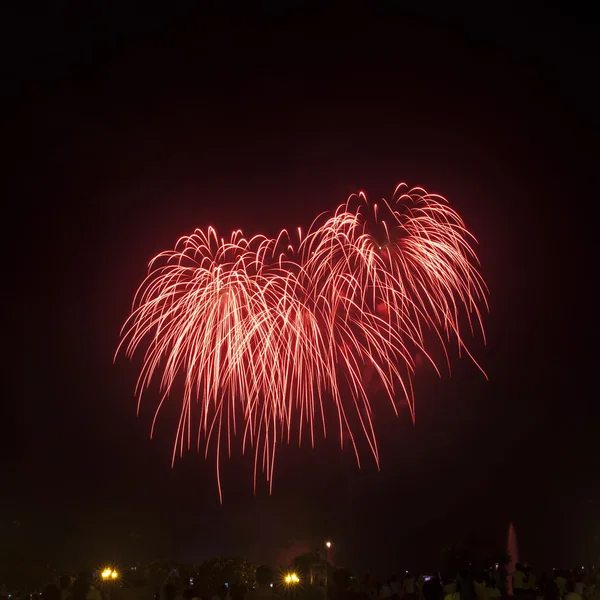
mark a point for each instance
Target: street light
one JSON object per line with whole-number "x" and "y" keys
{"x": 291, "y": 579}
{"x": 109, "y": 574}
{"x": 328, "y": 545}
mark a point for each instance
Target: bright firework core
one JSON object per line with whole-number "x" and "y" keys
{"x": 267, "y": 333}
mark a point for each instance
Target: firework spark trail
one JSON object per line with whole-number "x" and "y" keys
{"x": 265, "y": 332}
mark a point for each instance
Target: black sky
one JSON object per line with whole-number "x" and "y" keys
{"x": 131, "y": 129}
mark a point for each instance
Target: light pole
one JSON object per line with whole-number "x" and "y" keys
{"x": 328, "y": 546}
{"x": 109, "y": 575}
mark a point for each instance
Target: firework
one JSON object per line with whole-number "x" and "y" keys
{"x": 264, "y": 333}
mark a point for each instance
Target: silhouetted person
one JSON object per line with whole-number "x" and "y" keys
{"x": 518, "y": 580}
{"x": 493, "y": 593}
{"x": 395, "y": 585}
{"x": 571, "y": 593}
{"x": 340, "y": 590}
{"x": 561, "y": 581}
{"x": 386, "y": 590}
{"x": 530, "y": 581}
{"x": 501, "y": 579}
{"x": 64, "y": 585}
{"x": 464, "y": 585}
{"x": 51, "y": 592}
{"x": 480, "y": 585}
{"x": 551, "y": 591}
{"x": 432, "y": 589}
{"x": 369, "y": 584}
{"x": 82, "y": 588}
{"x": 543, "y": 582}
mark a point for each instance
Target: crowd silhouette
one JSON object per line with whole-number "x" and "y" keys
{"x": 466, "y": 584}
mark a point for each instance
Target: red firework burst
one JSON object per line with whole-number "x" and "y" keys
{"x": 265, "y": 332}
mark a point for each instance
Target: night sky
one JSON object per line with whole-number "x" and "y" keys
{"x": 130, "y": 129}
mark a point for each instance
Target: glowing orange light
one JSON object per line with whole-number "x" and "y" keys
{"x": 109, "y": 573}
